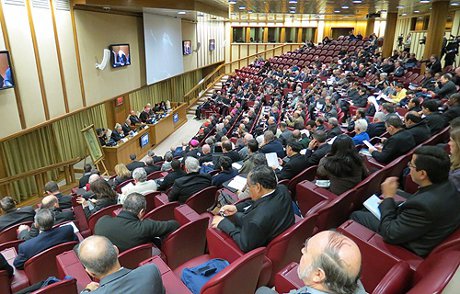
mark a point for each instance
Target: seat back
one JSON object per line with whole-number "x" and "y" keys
{"x": 132, "y": 257}
{"x": 98, "y": 214}
{"x": 336, "y": 211}
{"x": 246, "y": 268}
{"x": 10, "y": 234}
{"x": 308, "y": 174}
{"x": 155, "y": 175}
{"x": 285, "y": 248}
{"x": 68, "y": 264}
{"x": 435, "y": 272}
{"x": 64, "y": 286}
{"x": 163, "y": 213}
{"x": 121, "y": 185}
{"x": 309, "y": 196}
{"x": 150, "y": 200}
{"x": 43, "y": 265}
{"x": 80, "y": 218}
{"x": 202, "y": 200}
{"x": 11, "y": 244}
{"x": 4, "y": 282}
{"x": 186, "y": 242}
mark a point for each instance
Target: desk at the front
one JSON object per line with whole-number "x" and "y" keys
{"x": 157, "y": 133}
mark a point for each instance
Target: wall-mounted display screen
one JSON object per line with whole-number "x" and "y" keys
{"x": 120, "y": 55}
{"x": 6, "y": 74}
{"x": 187, "y": 47}
{"x": 212, "y": 44}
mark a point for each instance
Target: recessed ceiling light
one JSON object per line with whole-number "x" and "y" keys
{"x": 455, "y": 4}
{"x": 242, "y": 7}
{"x": 404, "y": 14}
{"x": 337, "y": 11}
{"x": 345, "y": 6}
{"x": 292, "y": 1}
{"x": 400, "y": 6}
{"x": 181, "y": 12}
{"x": 292, "y": 11}
{"x": 425, "y": 1}
{"x": 249, "y": 11}
{"x": 357, "y": 1}
{"x": 416, "y": 11}
{"x": 232, "y": 2}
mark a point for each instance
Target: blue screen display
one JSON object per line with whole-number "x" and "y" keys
{"x": 144, "y": 140}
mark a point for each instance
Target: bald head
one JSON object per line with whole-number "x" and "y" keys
{"x": 330, "y": 262}
{"x": 206, "y": 149}
{"x": 93, "y": 178}
{"x": 99, "y": 256}
{"x": 50, "y": 202}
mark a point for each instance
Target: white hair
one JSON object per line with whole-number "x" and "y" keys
{"x": 139, "y": 174}
{"x": 361, "y": 125}
{"x": 379, "y": 116}
{"x": 192, "y": 164}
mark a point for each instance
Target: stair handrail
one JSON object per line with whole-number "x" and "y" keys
{"x": 209, "y": 80}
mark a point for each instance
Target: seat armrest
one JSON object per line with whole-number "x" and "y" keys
{"x": 161, "y": 199}
{"x": 354, "y": 229}
{"x": 222, "y": 245}
{"x": 396, "y": 281}
{"x": 308, "y": 195}
{"x": 287, "y": 279}
{"x": 185, "y": 214}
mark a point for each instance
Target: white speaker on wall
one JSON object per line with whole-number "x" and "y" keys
{"x": 105, "y": 60}
{"x": 198, "y": 46}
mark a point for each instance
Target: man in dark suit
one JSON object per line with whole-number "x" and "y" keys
{"x": 134, "y": 163}
{"x": 145, "y": 114}
{"x": 100, "y": 259}
{"x": 128, "y": 230}
{"x": 227, "y": 150}
{"x": 426, "y": 218}
{"x": 84, "y": 179}
{"x": 126, "y": 127}
{"x": 206, "y": 155}
{"x": 150, "y": 166}
{"x": 446, "y": 87}
{"x": 377, "y": 127}
{"x": 48, "y": 237}
{"x": 272, "y": 145}
{"x": 176, "y": 173}
{"x": 49, "y": 202}
{"x": 117, "y": 133}
{"x": 296, "y": 164}
{"x": 417, "y": 127}
{"x": 12, "y": 215}
{"x": 317, "y": 148}
{"x": 65, "y": 201}
{"x": 286, "y": 135}
{"x": 133, "y": 118}
{"x": 191, "y": 183}
{"x": 400, "y": 142}
{"x": 454, "y": 107}
{"x": 435, "y": 120}
{"x": 335, "y": 130}
{"x": 255, "y": 222}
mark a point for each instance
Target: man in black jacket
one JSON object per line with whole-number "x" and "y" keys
{"x": 84, "y": 179}
{"x": 417, "y": 127}
{"x": 12, "y": 215}
{"x": 52, "y": 188}
{"x": 134, "y": 163}
{"x": 296, "y": 164}
{"x": 317, "y": 148}
{"x": 454, "y": 107}
{"x": 255, "y": 222}
{"x": 433, "y": 118}
{"x": 400, "y": 142}
{"x": 191, "y": 183}
{"x": 377, "y": 127}
{"x": 128, "y": 230}
{"x": 426, "y": 218}
{"x": 176, "y": 173}
{"x": 446, "y": 87}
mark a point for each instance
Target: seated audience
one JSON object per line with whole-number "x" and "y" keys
{"x": 244, "y": 151}
{"x": 445, "y": 86}
{"x": 417, "y": 127}
{"x": 150, "y": 166}
{"x": 335, "y": 128}
{"x": 47, "y": 238}
{"x": 172, "y": 176}
{"x": 155, "y": 158}
{"x": 49, "y": 202}
{"x": 296, "y": 162}
{"x": 193, "y": 182}
{"x": 117, "y": 133}
{"x": 100, "y": 259}
{"x": 454, "y": 107}
{"x": 52, "y": 188}
{"x": 343, "y": 166}
{"x": 270, "y": 145}
{"x": 84, "y": 179}
{"x": 360, "y": 130}
{"x": 141, "y": 185}
{"x": 317, "y": 148}
{"x": 104, "y": 197}
{"x": 454, "y": 146}
{"x": 134, "y": 163}
{"x": 248, "y": 162}
{"x": 330, "y": 263}
{"x": 227, "y": 172}
{"x": 128, "y": 229}
{"x": 435, "y": 120}
{"x": 255, "y": 222}
{"x": 12, "y": 215}
{"x": 400, "y": 142}
{"x": 286, "y": 134}
{"x": 123, "y": 174}
{"x": 377, "y": 127}
{"x": 166, "y": 166}
{"x": 429, "y": 216}
{"x": 206, "y": 155}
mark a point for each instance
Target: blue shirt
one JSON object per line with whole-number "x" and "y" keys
{"x": 358, "y": 139}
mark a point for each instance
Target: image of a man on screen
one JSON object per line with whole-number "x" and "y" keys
{"x": 121, "y": 56}
{"x": 6, "y": 79}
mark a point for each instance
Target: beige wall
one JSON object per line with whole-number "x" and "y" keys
{"x": 96, "y": 31}
{"x": 189, "y": 33}
{"x": 211, "y": 30}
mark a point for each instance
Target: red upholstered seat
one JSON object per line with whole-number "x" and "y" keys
{"x": 311, "y": 197}
{"x": 80, "y": 218}
{"x": 163, "y": 213}
{"x": 68, "y": 264}
{"x": 308, "y": 174}
{"x": 10, "y": 234}
{"x": 11, "y": 244}
{"x": 202, "y": 200}
{"x": 132, "y": 257}
{"x": 287, "y": 279}
{"x": 156, "y": 175}
{"x": 43, "y": 265}
{"x": 150, "y": 200}
{"x": 4, "y": 283}
{"x": 185, "y": 214}
{"x": 98, "y": 214}
{"x": 65, "y": 286}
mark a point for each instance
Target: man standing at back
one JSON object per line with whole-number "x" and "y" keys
{"x": 100, "y": 259}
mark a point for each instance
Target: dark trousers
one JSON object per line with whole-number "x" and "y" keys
{"x": 367, "y": 219}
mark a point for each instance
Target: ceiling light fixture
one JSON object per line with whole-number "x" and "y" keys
{"x": 181, "y": 12}
{"x": 455, "y": 4}
{"x": 242, "y": 7}
{"x": 416, "y": 11}
{"x": 345, "y": 6}
{"x": 232, "y": 2}
{"x": 404, "y": 14}
{"x": 292, "y": 1}
{"x": 425, "y": 1}
{"x": 249, "y": 11}
{"x": 400, "y": 6}
{"x": 357, "y": 1}
{"x": 337, "y": 11}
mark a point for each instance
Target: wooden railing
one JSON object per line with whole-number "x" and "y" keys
{"x": 40, "y": 176}
{"x": 208, "y": 81}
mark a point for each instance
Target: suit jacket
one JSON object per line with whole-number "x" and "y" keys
{"x": 188, "y": 185}
{"x": 126, "y": 230}
{"x": 258, "y": 222}
{"x": 334, "y": 132}
{"x": 126, "y": 129}
{"x": 144, "y": 279}
{"x": 134, "y": 119}
{"x": 43, "y": 241}
{"x": 446, "y": 90}
{"x": 60, "y": 216}
{"x": 152, "y": 168}
{"x": 313, "y": 158}
{"x": 116, "y": 136}
{"x": 84, "y": 180}
{"x": 134, "y": 164}
{"x": 23, "y": 214}
{"x": 65, "y": 201}
{"x": 420, "y": 131}
{"x": 273, "y": 146}
{"x": 223, "y": 176}
{"x": 452, "y": 113}
{"x": 100, "y": 203}
{"x": 424, "y": 220}
{"x": 397, "y": 145}
{"x": 435, "y": 122}
{"x": 296, "y": 164}
{"x": 168, "y": 181}
{"x": 376, "y": 129}
{"x": 144, "y": 116}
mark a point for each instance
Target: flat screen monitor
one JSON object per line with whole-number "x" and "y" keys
{"x": 144, "y": 140}
{"x": 186, "y": 47}
{"x": 175, "y": 117}
{"x": 120, "y": 55}
{"x": 212, "y": 44}
{"x": 6, "y": 74}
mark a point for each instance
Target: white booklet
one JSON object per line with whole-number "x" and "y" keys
{"x": 238, "y": 183}
{"x": 272, "y": 159}
{"x": 237, "y": 165}
{"x": 72, "y": 224}
{"x": 372, "y": 204}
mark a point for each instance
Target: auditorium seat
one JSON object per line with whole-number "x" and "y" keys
{"x": 80, "y": 218}
{"x": 311, "y": 197}
{"x": 4, "y": 283}
{"x": 162, "y": 213}
{"x": 150, "y": 200}
{"x": 307, "y": 174}
{"x": 43, "y": 265}
{"x": 100, "y": 213}
{"x": 68, "y": 264}
{"x": 202, "y": 200}
{"x": 121, "y": 185}
{"x": 156, "y": 175}
{"x": 11, "y": 244}
{"x": 10, "y": 233}
{"x": 20, "y": 279}
{"x": 132, "y": 257}
{"x": 64, "y": 286}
